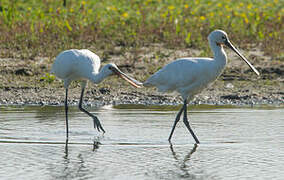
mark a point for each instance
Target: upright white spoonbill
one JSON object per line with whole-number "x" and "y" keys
{"x": 83, "y": 65}
{"x": 188, "y": 76}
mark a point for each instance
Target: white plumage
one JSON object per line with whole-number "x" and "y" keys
{"x": 74, "y": 61}
{"x": 175, "y": 76}
{"x": 77, "y": 64}
{"x": 84, "y": 65}
{"x": 188, "y": 76}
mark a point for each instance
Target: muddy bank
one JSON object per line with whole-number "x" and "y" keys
{"x": 26, "y": 82}
{"x": 95, "y": 96}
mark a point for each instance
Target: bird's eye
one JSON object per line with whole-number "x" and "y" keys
{"x": 223, "y": 37}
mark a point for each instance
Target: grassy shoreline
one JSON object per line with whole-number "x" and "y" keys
{"x": 44, "y": 28}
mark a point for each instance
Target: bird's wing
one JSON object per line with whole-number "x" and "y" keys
{"x": 169, "y": 77}
{"x": 91, "y": 60}
{"x": 178, "y": 74}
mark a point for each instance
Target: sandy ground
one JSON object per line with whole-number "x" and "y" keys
{"x": 25, "y": 81}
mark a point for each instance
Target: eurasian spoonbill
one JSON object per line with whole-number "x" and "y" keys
{"x": 188, "y": 76}
{"x": 83, "y": 65}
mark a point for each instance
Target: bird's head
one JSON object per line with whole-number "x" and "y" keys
{"x": 220, "y": 38}
{"x": 112, "y": 69}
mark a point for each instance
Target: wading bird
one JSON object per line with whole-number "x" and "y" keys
{"x": 84, "y": 65}
{"x": 188, "y": 76}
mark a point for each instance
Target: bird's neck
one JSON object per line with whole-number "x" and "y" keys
{"x": 98, "y": 77}
{"x": 219, "y": 53}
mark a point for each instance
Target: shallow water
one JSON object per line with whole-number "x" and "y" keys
{"x": 236, "y": 143}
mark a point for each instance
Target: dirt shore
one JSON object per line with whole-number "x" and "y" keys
{"x": 25, "y": 82}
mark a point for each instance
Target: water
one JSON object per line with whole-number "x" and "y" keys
{"x": 236, "y": 143}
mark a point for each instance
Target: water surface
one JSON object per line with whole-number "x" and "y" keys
{"x": 236, "y": 143}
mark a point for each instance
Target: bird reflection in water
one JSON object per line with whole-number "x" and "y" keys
{"x": 183, "y": 164}
{"x": 66, "y": 149}
{"x": 96, "y": 144}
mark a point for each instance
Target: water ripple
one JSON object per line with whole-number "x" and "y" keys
{"x": 234, "y": 145}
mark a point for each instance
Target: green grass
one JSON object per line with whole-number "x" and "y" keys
{"x": 32, "y": 28}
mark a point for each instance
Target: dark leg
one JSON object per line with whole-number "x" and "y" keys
{"x": 66, "y": 149}
{"x": 66, "y": 113}
{"x": 97, "y": 123}
{"x": 175, "y": 123}
{"x": 185, "y": 121}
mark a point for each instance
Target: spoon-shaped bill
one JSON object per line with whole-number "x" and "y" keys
{"x": 227, "y": 43}
{"x": 129, "y": 79}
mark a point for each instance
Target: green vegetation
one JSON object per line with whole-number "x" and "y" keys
{"x": 31, "y": 28}
{"x": 49, "y": 78}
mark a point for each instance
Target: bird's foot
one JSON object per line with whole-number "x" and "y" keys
{"x": 96, "y": 144}
{"x": 97, "y": 124}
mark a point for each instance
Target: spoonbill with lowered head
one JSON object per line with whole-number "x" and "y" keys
{"x": 188, "y": 76}
{"x": 83, "y": 65}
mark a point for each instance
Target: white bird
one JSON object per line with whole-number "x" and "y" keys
{"x": 83, "y": 65}
{"x": 188, "y": 76}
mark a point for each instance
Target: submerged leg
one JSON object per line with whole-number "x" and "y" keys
{"x": 66, "y": 112}
{"x": 175, "y": 123}
{"x": 97, "y": 123}
{"x": 66, "y": 149}
{"x": 185, "y": 121}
